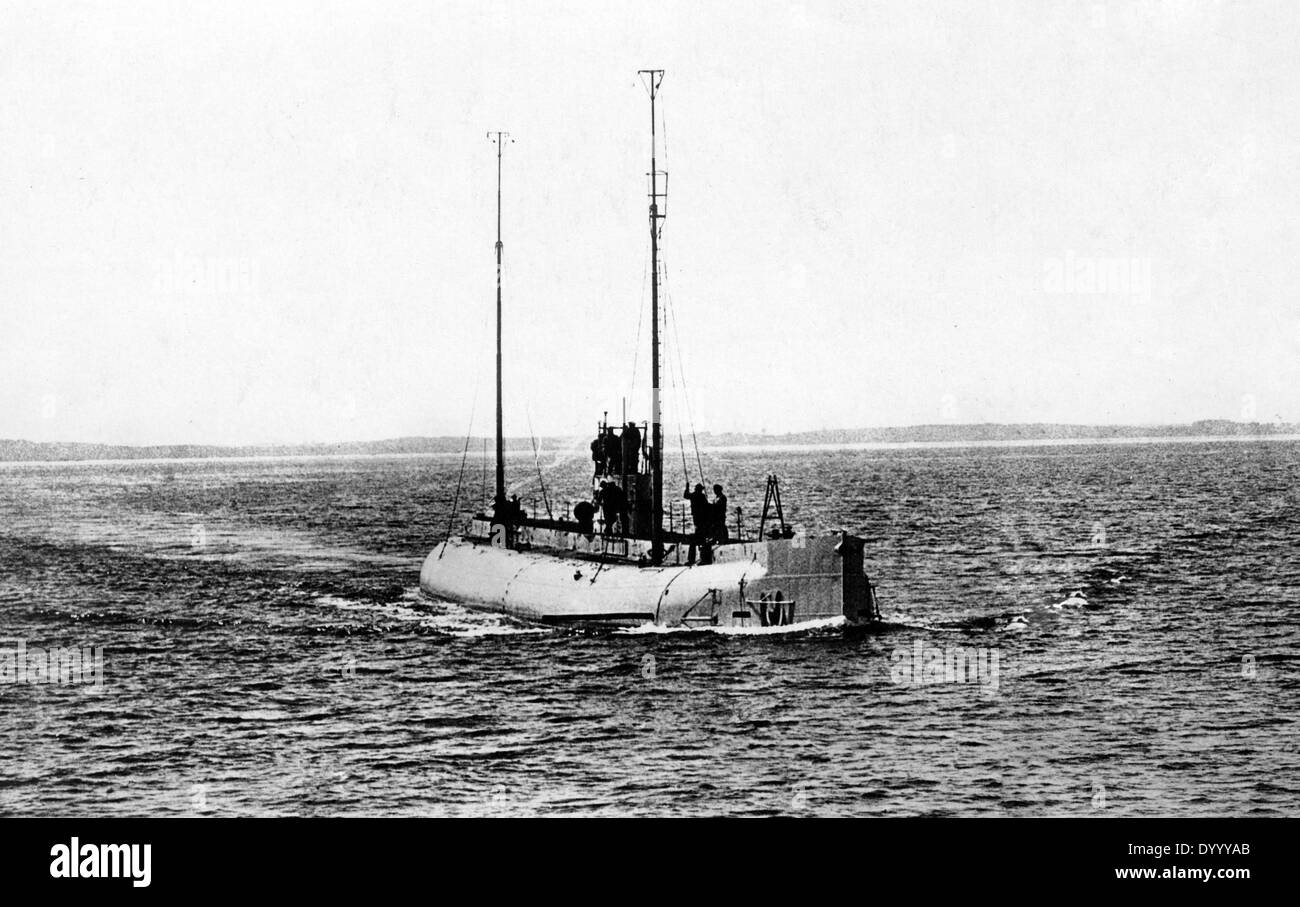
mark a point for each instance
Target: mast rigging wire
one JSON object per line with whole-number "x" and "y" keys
{"x": 538, "y": 463}
{"x": 677, "y": 347}
{"x": 464, "y": 455}
{"x": 640, "y": 316}
{"x": 674, "y": 375}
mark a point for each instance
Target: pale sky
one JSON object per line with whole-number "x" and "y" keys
{"x": 274, "y": 222}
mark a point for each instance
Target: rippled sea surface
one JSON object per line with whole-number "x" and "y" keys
{"x": 266, "y": 649}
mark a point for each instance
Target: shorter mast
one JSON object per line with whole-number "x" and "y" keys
{"x": 500, "y": 498}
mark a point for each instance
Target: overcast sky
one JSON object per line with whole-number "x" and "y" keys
{"x": 253, "y": 222}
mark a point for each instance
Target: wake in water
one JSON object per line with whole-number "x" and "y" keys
{"x": 443, "y": 618}
{"x": 808, "y": 627}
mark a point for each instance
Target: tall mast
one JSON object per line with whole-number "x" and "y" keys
{"x": 499, "y": 138}
{"x": 652, "y": 78}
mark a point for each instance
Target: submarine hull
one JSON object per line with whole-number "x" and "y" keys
{"x": 555, "y": 578}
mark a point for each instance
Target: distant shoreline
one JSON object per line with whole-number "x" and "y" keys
{"x": 912, "y": 437}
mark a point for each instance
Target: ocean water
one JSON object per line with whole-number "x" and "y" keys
{"x": 1132, "y": 611}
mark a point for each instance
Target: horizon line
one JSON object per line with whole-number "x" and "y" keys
{"x": 929, "y": 426}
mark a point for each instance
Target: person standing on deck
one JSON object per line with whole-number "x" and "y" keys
{"x": 701, "y": 516}
{"x": 631, "y": 448}
{"x": 613, "y": 460}
{"x": 719, "y": 507}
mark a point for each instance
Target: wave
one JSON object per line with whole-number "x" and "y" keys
{"x": 443, "y": 618}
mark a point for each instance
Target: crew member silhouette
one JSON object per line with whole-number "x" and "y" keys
{"x": 631, "y": 448}
{"x": 613, "y": 460}
{"x": 585, "y": 513}
{"x": 701, "y": 516}
{"x": 719, "y": 506}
